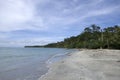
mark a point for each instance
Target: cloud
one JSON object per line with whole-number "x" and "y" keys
{"x": 66, "y": 12}
{"x": 14, "y": 13}
{"x": 56, "y": 16}
{"x": 29, "y": 41}
{"x": 43, "y": 15}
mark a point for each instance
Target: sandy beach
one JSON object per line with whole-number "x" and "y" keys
{"x": 86, "y": 65}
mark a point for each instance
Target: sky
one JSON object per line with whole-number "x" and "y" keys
{"x": 39, "y": 22}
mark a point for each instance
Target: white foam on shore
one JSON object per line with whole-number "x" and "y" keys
{"x": 49, "y": 63}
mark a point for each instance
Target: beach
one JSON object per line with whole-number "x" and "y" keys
{"x": 100, "y": 64}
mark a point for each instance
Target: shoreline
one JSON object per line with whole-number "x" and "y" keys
{"x": 49, "y": 62}
{"x": 100, "y": 64}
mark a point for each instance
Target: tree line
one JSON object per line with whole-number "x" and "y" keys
{"x": 93, "y": 37}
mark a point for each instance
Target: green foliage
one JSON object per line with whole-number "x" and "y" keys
{"x": 92, "y": 37}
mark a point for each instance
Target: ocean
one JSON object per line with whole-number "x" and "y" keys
{"x": 28, "y": 63}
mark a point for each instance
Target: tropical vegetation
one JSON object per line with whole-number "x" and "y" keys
{"x": 93, "y": 37}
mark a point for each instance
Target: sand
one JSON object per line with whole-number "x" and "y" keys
{"x": 86, "y": 65}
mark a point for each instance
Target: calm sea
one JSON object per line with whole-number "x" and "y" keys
{"x": 28, "y": 63}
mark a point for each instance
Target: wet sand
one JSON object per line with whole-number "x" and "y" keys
{"x": 86, "y": 65}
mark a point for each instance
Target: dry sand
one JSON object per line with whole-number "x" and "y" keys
{"x": 86, "y": 65}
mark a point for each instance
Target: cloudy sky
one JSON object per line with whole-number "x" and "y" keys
{"x": 38, "y": 22}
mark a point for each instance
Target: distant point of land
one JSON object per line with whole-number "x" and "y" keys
{"x": 93, "y": 37}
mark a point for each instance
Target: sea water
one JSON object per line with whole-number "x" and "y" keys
{"x": 28, "y": 63}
